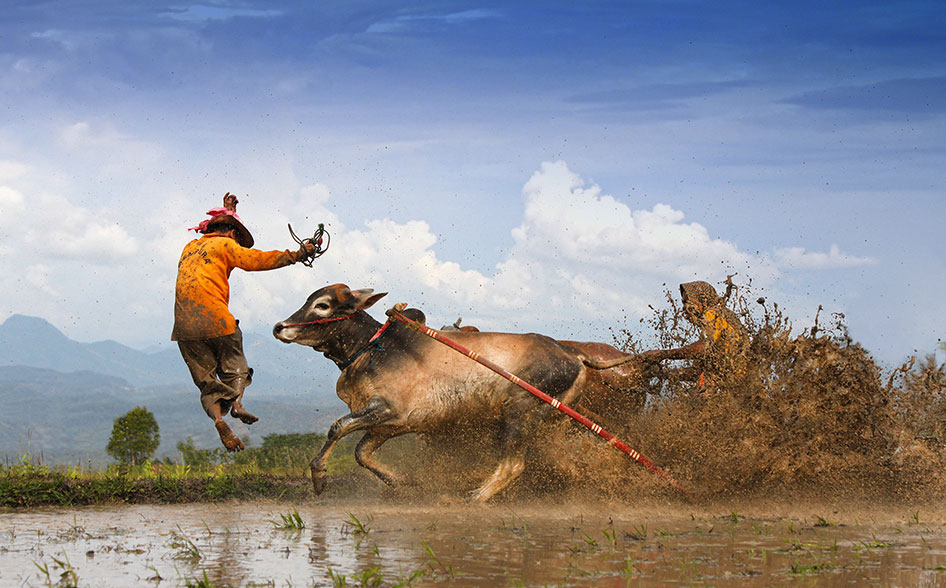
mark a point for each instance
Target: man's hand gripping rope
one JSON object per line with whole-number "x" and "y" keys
{"x": 313, "y": 247}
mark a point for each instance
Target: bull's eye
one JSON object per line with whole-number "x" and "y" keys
{"x": 322, "y": 306}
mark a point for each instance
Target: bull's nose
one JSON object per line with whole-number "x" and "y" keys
{"x": 277, "y": 328}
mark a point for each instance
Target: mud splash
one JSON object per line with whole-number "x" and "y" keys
{"x": 811, "y": 414}
{"x": 797, "y": 416}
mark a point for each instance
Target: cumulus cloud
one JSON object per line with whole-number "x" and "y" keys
{"x": 582, "y": 261}
{"x": 54, "y": 227}
{"x": 11, "y": 206}
{"x": 38, "y": 276}
{"x": 564, "y": 219}
{"x": 799, "y": 258}
{"x": 579, "y": 257}
{"x": 10, "y": 170}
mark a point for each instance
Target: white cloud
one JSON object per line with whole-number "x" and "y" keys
{"x": 581, "y": 258}
{"x": 582, "y": 261}
{"x": 799, "y": 258}
{"x": 11, "y": 207}
{"x": 55, "y": 228}
{"x": 11, "y": 170}
{"x": 564, "y": 219}
{"x": 38, "y": 276}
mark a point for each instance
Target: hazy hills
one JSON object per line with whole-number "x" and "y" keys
{"x": 59, "y": 397}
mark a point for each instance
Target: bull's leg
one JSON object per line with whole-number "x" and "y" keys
{"x": 375, "y": 412}
{"x": 363, "y": 455}
{"x": 511, "y": 465}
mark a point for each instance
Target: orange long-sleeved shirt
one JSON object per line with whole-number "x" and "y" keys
{"x": 203, "y": 288}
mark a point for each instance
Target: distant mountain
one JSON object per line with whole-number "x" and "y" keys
{"x": 59, "y": 397}
{"x": 68, "y": 417}
{"x": 30, "y": 341}
{"x": 279, "y": 369}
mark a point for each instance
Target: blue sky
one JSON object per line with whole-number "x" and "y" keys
{"x": 547, "y": 166}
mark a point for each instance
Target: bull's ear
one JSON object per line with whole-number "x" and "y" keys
{"x": 366, "y": 298}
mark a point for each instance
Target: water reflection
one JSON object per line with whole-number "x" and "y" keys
{"x": 239, "y": 545}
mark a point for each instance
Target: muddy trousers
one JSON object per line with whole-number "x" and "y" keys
{"x": 218, "y": 368}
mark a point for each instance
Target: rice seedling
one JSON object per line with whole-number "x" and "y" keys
{"x": 799, "y": 569}
{"x": 355, "y": 526}
{"x": 62, "y": 570}
{"x": 610, "y": 536}
{"x": 628, "y": 570}
{"x": 638, "y": 533}
{"x": 369, "y": 578}
{"x": 873, "y": 544}
{"x": 414, "y": 576}
{"x": 338, "y": 580}
{"x": 202, "y": 582}
{"x": 184, "y": 548}
{"x": 447, "y": 569}
{"x": 290, "y": 521}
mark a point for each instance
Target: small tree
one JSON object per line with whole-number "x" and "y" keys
{"x": 134, "y": 437}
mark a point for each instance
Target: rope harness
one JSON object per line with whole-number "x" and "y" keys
{"x": 316, "y": 239}
{"x": 372, "y": 342}
{"x": 395, "y": 313}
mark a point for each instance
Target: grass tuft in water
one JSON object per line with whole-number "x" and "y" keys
{"x": 638, "y": 533}
{"x": 446, "y": 570}
{"x": 183, "y": 547}
{"x": 356, "y": 526}
{"x": 202, "y": 582}
{"x": 62, "y": 570}
{"x": 338, "y": 580}
{"x": 291, "y": 521}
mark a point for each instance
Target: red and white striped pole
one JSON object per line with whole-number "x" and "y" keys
{"x": 395, "y": 313}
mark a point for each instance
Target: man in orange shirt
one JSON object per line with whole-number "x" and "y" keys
{"x": 723, "y": 340}
{"x": 208, "y": 336}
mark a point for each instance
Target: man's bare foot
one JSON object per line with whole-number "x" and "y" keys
{"x": 227, "y": 436}
{"x": 241, "y": 413}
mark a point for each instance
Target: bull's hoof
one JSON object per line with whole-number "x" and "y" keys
{"x": 318, "y": 481}
{"x": 477, "y": 497}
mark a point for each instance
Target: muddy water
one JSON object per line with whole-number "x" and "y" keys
{"x": 374, "y": 544}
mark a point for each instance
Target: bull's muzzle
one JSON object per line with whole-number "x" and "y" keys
{"x": 281, "y": 332}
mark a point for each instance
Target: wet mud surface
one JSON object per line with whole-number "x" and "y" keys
{"x": 373, "y": 543}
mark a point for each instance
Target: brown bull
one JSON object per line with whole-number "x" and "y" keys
{"x": 615, "y": 386}
{"x": 396, "y": 380}
{"x": 614, "y": 390}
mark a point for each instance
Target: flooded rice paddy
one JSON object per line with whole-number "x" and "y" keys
{"x": 528, "y": 544}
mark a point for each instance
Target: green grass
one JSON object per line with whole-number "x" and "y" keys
{"x": 28, "y": 485}
{"x": 290, "y": 521}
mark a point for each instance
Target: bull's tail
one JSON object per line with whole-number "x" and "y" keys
{"x": 607, "y": 364}
{"x": 646, "y": 358}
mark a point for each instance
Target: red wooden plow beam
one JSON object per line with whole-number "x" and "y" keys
{"x": 395, "y": 313}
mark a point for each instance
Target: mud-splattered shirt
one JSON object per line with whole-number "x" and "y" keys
{"x": 718, "y": 324}
{"x": 203, "y": 288}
